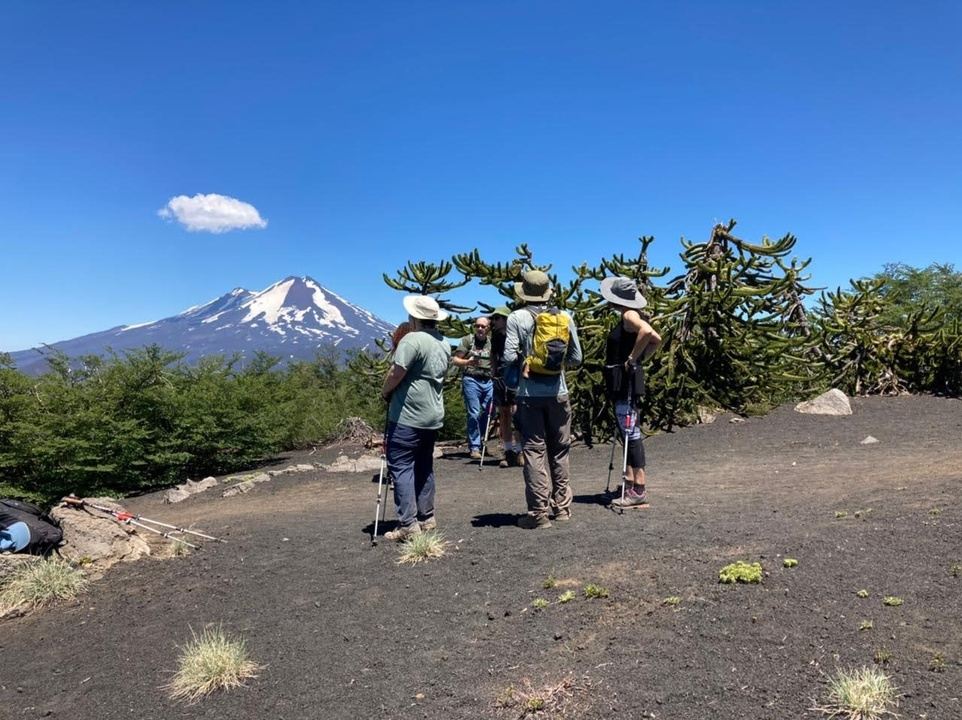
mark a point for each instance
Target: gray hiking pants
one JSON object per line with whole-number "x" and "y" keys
{"x": 545, "y": 425}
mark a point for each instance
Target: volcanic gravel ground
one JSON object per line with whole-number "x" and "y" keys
{"x": 345, "y": 632}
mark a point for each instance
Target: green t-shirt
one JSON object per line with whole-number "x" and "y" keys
{"x": 417, "y": 401}
{"x": 469, "y": 348}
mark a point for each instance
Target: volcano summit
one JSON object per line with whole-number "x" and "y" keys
{"x": 291, "y": 319}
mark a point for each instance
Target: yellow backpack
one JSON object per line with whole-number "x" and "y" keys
{"x": 550, "y": 346}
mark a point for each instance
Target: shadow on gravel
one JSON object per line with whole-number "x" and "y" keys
{"x": 601, "y": 498}
{"x": 382, "y": 527}
{"x": 495, "y": 520}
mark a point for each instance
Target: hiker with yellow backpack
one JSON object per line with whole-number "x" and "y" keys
{"x": 541, "y": 343}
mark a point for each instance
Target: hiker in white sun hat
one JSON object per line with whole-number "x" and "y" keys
{"x": 413, "y": 388}
{"x": 628, "y": 344}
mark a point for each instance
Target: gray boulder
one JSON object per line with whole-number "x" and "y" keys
{"x": 833, "y": 402}
{"x": 94, "y": 539}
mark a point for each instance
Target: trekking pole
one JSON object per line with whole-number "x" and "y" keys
{"x": 380, "y": 482}
{"x": 624, "y": 465}
{"x": 611, "y": 466}
{"x": 487, "y": 432}
{"x": 123, "y": 516}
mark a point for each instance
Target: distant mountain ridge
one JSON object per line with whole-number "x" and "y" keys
{"x": 292, "y": 319}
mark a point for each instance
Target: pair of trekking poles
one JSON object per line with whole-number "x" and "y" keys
{"x": 380, "y": 510}
{"x": 163, "y": 529}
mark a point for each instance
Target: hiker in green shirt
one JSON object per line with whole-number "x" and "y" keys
{"x": 413, "y": 386}
{"x": 473, "y": 356}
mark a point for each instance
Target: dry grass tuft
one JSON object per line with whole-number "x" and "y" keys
{"x": 42, "y": 583}
{"x": 862, "y": 694}
{"x": 211, "y": 661}
{"x": 423, "y": 546}
{"x": 558, "y": 700}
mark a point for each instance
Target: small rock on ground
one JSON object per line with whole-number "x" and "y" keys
{"x": 833, "y": 402}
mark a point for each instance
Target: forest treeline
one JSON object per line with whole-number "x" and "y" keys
{"x": 741, "y": 331}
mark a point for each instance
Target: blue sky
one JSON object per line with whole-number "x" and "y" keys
{"x": 367, "y": 134}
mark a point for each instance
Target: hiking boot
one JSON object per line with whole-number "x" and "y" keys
{"x": 475, "y": 455}
{"x": 562, "y": 515}
{"x": 532, "y": 522}
{"x": 632, "y": 499}
{"x": 430, "y": 524}
{"x": 505, "y": 462}
{"x": 403, "y": 533}
{"x": 519, "y": 459}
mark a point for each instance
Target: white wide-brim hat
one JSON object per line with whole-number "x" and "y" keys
{"x": 424, "y": 307}
{"x": 623, "y": 292}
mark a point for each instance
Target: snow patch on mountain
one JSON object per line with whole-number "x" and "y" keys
{"x": 293, "y": 318}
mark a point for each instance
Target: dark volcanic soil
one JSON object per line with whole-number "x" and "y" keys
{"x": 345, "y": 632}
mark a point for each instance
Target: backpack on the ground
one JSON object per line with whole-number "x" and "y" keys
{"x": 45, "y": 533}
{"x": 550, "y": 343}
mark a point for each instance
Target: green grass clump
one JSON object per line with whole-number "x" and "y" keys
{"x": 209, "y": 662}
{"x": 938, "y": 663}
{"x": 549, "y": 582}
{"x": 593, "y": 591}
{"x": 840, "y": 514}
{"x": 428, "y": 545}
{"x": 789, "y": 562}
{"x": 866, "y": 625}
{"x": 862, "y": 694}
{"x": 671, "y": 601}
{"x": 891, "y": 601}
{"x": 935, "y": 512}
{"x": 882, "y": 656}
{"x": 742, "y": 572}
{"x": 566, "y": 597}
{"x": 955, "y": 570}
{"x": 862, "y": 593}
{"x": 37, "y": 584}
{"x": 540, "y": 604}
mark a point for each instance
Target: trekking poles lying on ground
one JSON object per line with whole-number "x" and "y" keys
{"x": 380, "y": 512}
{"x": 487, "y": 432}
{"x": 126, "y": 518}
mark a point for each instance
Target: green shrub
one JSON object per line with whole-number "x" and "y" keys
{"x": 566, "y": 597}
{"x": 209, "y": 662}
{"x": 37, "y": 584}
{"x": 789, "y": 562}
{"x": 863, "y": 694}
{"x": 742, "y": 572}
{"x": 428, "y": 545}
{"x": 593, "y": 591}
{"x": 891, "y": 601}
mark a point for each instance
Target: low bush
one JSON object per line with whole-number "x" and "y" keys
{"x": 41, "y": 583}
{"x": 741, "y": 572}
{"x": 861, "y": 694}
{"x": 211, "y": 661}
{"x": 428, "y": 545}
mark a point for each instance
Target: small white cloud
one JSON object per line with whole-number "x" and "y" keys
{"x": 212, "y": 213}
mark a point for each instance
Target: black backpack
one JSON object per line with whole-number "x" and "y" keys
{"x": 45, "y": 533}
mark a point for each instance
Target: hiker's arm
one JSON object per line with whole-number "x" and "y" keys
{"x": 647, "y": 341}
{"x": 574, "y": 357}
{"x": 511, "y": 341}
{"x": 394, "y": 377}
{"x": 463, "y": 357}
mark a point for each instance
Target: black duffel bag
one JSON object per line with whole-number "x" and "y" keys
{"x": 45, "y": 533}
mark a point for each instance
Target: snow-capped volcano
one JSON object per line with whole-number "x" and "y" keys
{"x": 292, "y": 319}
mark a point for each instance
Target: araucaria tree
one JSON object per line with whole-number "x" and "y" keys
{"x": 736, "y": 332}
